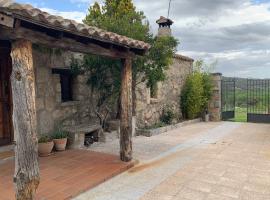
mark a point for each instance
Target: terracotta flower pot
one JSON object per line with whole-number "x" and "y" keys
{"x": 45, "y": 149}
{"x": 60, "y": 144}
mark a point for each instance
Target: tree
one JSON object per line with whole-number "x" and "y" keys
{"x": 121, "y": 16}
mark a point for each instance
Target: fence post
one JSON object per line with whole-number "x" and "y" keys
{"x": 215, "y": 107}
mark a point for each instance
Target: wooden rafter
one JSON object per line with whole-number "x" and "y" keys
{"x": 63, "y": 43}
{"x": 14, "y": 29}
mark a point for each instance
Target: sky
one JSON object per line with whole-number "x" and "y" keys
{"x": 233, "y": 33}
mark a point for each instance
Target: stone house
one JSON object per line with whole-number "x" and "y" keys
{"x": 149, "y": 106}
{"x": 80, "y": 105}
{"x": 64, "y": 99}
{"x": 61, "y": 98}
{"x": 38, "y": 91}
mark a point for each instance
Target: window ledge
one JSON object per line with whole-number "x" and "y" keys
{"x": 70, "y": 103}
{"x": 154, "y": 100}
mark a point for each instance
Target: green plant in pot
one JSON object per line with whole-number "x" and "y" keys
{"x": 45, "y": 146}
{"x": 60, "y": 139}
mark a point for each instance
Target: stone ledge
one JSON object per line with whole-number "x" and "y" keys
{"x": 157, "y": 131}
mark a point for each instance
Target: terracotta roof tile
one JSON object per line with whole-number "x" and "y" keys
{"x": 29, "y": 13}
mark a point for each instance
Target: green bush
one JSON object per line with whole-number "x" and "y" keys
{"x": 196, "y": 93}
{"x": 168, "y": 115}
{"x": 207, "y": 89}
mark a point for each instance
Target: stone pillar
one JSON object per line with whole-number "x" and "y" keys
{"x": 215, "y": 107}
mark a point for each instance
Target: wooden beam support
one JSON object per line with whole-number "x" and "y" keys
{"x": 126, "y": 111}
{"x": 6, "y": 20}
{"x": 26, "y": 176}
{"x": 63, "y": 43}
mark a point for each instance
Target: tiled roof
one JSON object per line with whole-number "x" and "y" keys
{"x": 178, "y": 56}
{"x": 29, "y": 13}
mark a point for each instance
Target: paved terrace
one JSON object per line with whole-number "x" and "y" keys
{"x": 66, "y": 174}
{"x": 204, "y": 161}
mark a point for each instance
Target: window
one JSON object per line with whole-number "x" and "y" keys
{"x": 66, "y": 81}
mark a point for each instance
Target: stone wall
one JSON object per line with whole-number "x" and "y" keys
{"x": 149, "y": 110}
{"x": 215, "y": 103}
{"x": 51, "y": 111}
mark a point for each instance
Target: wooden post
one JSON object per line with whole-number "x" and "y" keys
{"x": 26, "y": 176}
{"x": 126, "y": 111}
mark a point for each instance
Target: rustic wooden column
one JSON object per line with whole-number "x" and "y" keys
{"x": 26, "y": 176}
{"x": 126, "y": 111}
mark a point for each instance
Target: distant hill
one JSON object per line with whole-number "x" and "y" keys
{"x": 241, "y": 83}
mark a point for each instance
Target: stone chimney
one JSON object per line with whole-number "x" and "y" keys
{"x": 164, "y": 26}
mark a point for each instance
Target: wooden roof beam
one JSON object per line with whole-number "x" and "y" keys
{"x": 13, "y": 30}
{"x": 64, "y": 43}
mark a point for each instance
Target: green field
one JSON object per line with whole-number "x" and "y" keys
{"x": 246, "y": 96}
{"x": 257, "y": 104}
{"x": 240, "y": 114}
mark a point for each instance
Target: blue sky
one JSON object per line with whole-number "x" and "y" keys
{"x": 61, "y": 5}
{"x": 235, "y": 33}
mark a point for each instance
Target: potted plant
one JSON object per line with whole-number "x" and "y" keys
{"x": 60, "y": 139}
{"x": 45, "y": 146}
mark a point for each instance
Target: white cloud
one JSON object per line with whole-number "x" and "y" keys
{"x": 74, "y": 15}
{"x": 236, "y": 33}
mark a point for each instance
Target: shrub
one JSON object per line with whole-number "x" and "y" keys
{"x": 168, "y": 115}
{"x": 196, "y": 93}
{"x": 207, "y": 89}
{"x": 192, "y": 96}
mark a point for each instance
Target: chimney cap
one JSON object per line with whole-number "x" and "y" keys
{"x": 164, "y": 20}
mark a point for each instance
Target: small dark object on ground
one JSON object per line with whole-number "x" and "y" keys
{"x": 90, "y": 138}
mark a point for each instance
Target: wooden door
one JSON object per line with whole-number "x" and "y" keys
{"x": 6, "y": 136}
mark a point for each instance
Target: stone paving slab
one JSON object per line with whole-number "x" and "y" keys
{"x": 238, "y": 168}
{"x": 215, "y": 161}
{"x": 146, "y": 148}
